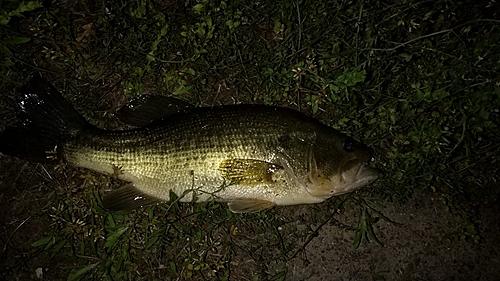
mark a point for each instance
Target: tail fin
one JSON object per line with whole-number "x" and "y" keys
{"x": 46, "y": 120}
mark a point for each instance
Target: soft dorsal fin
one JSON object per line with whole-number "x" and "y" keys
{"x": 128, "y": 197}
{"x": 145, "y": 109}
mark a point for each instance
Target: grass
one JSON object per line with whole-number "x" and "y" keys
{"x": 416, "y": 80}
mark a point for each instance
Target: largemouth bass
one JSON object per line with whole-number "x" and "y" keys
{"x": 252, "y": 157}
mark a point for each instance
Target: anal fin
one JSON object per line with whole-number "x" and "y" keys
{"x": 128, "y": 197}
{"x": 249, "y": 205}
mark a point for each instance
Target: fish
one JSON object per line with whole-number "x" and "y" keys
{"x": 252, "y": 157}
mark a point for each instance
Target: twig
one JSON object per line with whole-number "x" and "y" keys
{"x": 413, "y": 40}
{"x": 434, "y": 34}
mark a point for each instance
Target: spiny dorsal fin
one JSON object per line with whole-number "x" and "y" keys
{"x": 145, "y": 109}
{"x": 249, "y": 205}
{"x": 248, "y": 171}
{"x": 128, "y": 197}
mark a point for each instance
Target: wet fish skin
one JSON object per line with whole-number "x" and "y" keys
{"x": 251, "y": 156}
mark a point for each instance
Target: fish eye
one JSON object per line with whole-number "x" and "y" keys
{"x": 348, "y": 145}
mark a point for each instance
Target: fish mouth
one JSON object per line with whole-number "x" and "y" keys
{"x": 358, "y": 171}
{"x": 367, "y": 174}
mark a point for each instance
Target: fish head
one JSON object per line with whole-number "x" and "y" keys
{"x": 339, "y": 165}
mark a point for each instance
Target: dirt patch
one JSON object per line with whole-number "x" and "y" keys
{"x": 423, "y": 244}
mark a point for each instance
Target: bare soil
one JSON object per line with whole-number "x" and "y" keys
{"x": 415, "y": 248}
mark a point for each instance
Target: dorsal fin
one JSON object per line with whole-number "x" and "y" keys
{"x": 145, "y": 109}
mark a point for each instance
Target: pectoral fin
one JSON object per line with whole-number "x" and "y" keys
{"x": 249, "y": 205}
{"x": 248, "y": 171}
{"x": 127, "y": 197}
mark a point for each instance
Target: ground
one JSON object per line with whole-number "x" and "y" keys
{"x": 417, "y": 81}
{"x": 412, "y": 248}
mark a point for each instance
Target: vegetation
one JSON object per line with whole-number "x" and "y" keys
{"x": 419, "y": 81}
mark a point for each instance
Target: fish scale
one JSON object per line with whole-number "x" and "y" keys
{"x": 164, "y": 155}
